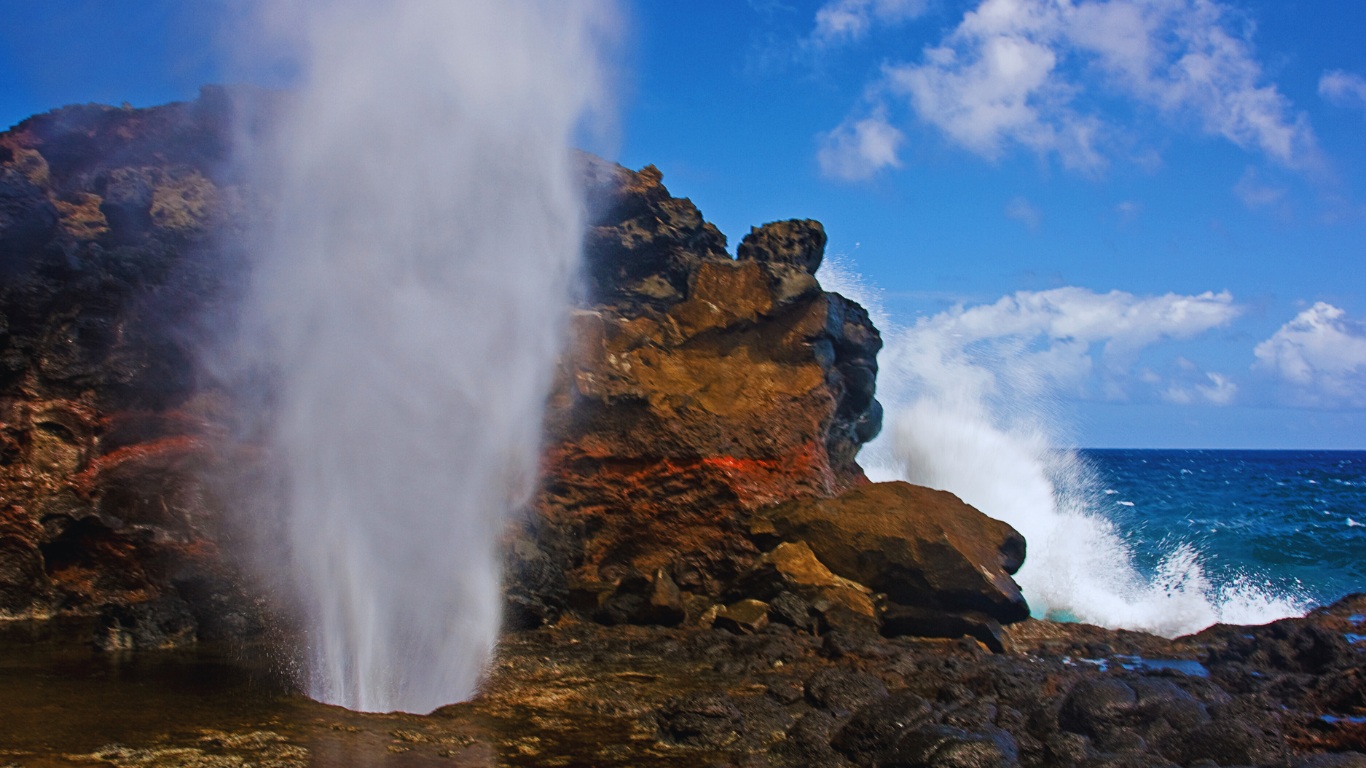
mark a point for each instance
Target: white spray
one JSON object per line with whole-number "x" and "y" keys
{"x": 409, "y": 299}
{"x": 968, "y": 412}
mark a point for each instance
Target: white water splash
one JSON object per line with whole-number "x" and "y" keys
{"x": 968, "y": 412}
{"x": 409, "y": 301}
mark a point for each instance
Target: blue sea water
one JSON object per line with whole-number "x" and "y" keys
{"x": 1292, "y": 523}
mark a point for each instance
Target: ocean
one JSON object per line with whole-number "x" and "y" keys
{"x": 1286, "y": 523}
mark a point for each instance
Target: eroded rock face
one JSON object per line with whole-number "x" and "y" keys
{"x": 110, "y": 255}
{"x": 696, "y": 388}
{"x": 944, "y": 567}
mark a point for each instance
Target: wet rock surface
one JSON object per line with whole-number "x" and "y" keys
{"x": 580, "y": 693}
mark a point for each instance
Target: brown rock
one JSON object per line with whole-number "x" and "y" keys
{"x": 746, "y": 617}
{"x": 665, "y": 603}
{"x": 792, "y": 567}
{"x": 925, "y": 549}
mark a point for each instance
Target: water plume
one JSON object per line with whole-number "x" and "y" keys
{"x": 970, "y": 410}
{"x": 407, "y": 301}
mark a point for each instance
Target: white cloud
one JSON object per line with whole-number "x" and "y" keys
{"x": 857, "y": 150}
{"x": 1021, "y": 73}
{"x": 1216, "y": 389}
{"x": 1069, "y": 340}
{"x": 849, "y": 20}
{"x": 1343, "y": 89}
{"x": 1023, "y": 211}
{"x": 1128, "y": 210}
{"x": 1321, "y": 354}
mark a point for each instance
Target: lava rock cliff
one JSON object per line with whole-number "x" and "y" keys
{"x": 697, "y": 391}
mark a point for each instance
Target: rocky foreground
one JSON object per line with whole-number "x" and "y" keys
{"x": 704, "y": 577}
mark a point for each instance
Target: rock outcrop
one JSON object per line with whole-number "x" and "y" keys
{"x": 697, "y": 388}
{"x": 111, "y": 222}
{"x": 943, "y": 566}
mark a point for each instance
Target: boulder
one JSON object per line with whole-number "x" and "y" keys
{"x": 932, "y": 555}
{"x": 792, "y": 568}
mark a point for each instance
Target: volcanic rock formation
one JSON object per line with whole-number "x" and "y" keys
{"x": 697, "y": 390}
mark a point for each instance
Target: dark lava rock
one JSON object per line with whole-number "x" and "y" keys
{"x": 807, "y": 742}
{"x": 28, "y": 221}
{"x": 701, "y": 720}
{"x": 898, "y": 619}
{"x": 1333, "y": 760}
{"x": 876, "y": 729}
{"x": 165, "y": 622}
{"x": 1289, "y": 645}
{"x": 942, "y": 746}
{"x": 793, "y": 611}
{"x": 798, "y": 243}
{"x": 843, "y": 691}
{"x": 640, "y": 599}
{"x": 1096, "y": 705}
{"x": 535, "y": 591}
{"x": 1226, "y": 742}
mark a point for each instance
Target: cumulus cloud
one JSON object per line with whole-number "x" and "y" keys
{"x": 1025, "y": 73}
{"x": 1321, "y": 355}
{"x": 858, "y": 149}
{"x": 1343, "y": 89}
{"x": 1070, "y": 340}
{"x": 849, "y": 20}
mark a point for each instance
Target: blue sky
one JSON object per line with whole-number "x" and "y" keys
{"x": 1148, "y": 215}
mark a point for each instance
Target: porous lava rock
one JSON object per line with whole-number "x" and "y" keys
{"x": 944, "y": 566}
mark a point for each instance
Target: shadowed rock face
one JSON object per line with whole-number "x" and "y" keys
{"x": 110, "y": 257}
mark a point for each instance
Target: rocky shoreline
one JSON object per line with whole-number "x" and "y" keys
{"x": 705, "y": 573}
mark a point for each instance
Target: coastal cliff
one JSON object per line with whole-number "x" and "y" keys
{"x": 704, "y": 572}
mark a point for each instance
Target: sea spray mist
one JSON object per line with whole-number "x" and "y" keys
{"x": 971, "y": 411}
{"x": 406, "y": 302}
